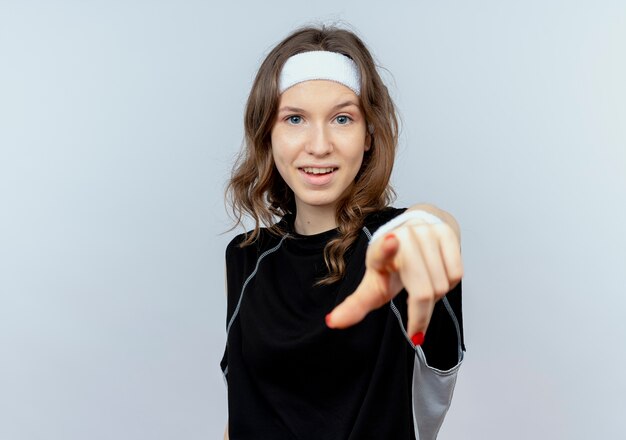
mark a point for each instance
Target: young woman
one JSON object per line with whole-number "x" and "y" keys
{"x": 344, "y": 314}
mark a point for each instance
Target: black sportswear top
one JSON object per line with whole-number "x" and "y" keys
{"x": 291, "y": 377}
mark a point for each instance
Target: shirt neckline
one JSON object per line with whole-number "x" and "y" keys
{"x": 307, "y": 242}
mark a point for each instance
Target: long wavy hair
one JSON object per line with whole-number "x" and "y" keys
{"x": 257, "y": 189}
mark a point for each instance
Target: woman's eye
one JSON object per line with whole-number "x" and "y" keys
{"x": 343, "y": 119}
{"x": 294, "y": 119}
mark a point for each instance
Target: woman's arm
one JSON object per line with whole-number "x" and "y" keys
{"x": 226, "y": 290}
{"x": 443, "y": 215}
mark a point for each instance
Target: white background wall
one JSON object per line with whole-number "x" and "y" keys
{"x": 118, "y": 125}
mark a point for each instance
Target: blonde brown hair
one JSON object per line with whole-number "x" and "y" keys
{"x": 257, "y": 189}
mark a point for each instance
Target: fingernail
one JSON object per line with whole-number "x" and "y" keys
{"x": 327, "y": 319}
{"x": 388, "y": 236}
{"x": 417, "y": 338}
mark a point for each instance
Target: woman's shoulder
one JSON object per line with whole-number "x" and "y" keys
{"x": 238, "y": 248}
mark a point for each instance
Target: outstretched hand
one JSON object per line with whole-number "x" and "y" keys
{"x": 423, "y": 258}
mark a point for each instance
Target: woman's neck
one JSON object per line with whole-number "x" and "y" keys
{"x": 312, "y": 220}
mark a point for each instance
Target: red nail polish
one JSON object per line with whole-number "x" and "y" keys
{"x": 417, "y": 338}
{"x": 388, "y": 236}
{"x": 327, "y": 319}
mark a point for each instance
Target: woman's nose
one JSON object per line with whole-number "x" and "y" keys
{"x": 319, "y": 142}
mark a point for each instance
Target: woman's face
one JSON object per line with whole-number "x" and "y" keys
{"x": 318, "y": 141}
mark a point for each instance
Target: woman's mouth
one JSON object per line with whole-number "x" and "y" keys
{"x": 311, "y": 170}
{"x": 317, "y": 176}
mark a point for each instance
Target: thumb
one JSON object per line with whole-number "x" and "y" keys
{"x": 374, "y": 289}
{"x": 381, "y": 253}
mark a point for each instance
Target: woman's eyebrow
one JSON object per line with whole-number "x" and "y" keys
{"x": 291, "y": 109}
{"x": 345, "y": 104}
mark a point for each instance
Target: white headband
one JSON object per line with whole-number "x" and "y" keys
{"x": 320, "y": 64}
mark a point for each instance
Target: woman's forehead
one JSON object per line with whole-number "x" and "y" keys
{"x": 318, "y": 93}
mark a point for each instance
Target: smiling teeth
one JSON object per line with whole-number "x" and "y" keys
{"x": 318, "y": 170}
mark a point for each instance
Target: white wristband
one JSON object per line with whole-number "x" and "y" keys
{"x": 404, "y": 217}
